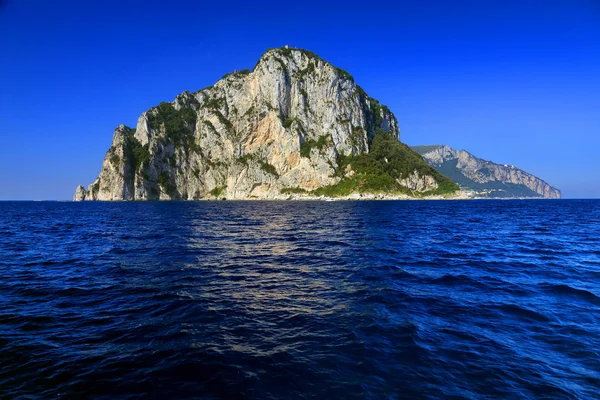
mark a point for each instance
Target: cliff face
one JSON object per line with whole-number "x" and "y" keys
{"x": 282, "y": 126}
{"x": 488, "y": 178}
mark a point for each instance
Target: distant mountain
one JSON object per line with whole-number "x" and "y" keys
{"x": 294, "y": 125}
{"x": 486, "y": 178}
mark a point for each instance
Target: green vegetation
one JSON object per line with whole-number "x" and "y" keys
{"x": 210, "y": 126}
{"x": 269, "y": 106}
{"x": 268, "y": 168}
{"x": 187, "y": 99}
{"x": 292, "y": 190}
{"x": 281, "y": 63}
{"x": 140, "y": 155}
{"x": 364, "y": 183}
{"x": 214, "y": 163}
{"x": 360, "y": 93}
{"x": 144, "y": 174}
{"x": 203, "y": 89}
{"x": 307, "y": 145}
{"x": 214, "y": 103}
{"x": 379, "y": 170}
{"x": 192, "y": 145}
{"x": 356, "y": 137}
{"x": 134, "y": 153}
{"x": 250, "y": 111}
{"x": 245, "y": 71}
{"x": 114, "y": 157}
{"x": 188, "y": 115}
{"x": 287, "y": 52}
{"x": 310, "y": 68}
{"x": 246, "y": 158}
{"x": 216, "y": 192}
{"x": 287, "y": 121}
{"x": 178, "y": 124}
{"x": 164, "y": 180}
{"x": 374, "y": 111}
{"x": 96, "y": 187}
{"x": 225, "y": 122}
{"x": 265, "y": 166}
{"x": 374, "y": 114}
{"x": 343, "y": 74}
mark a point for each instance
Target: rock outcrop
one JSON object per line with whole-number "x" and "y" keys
{"x": 79, "y": 193}
{"x": 420, "y": 183}
{"x": 282, "y": 126}
{"x": 485, "y": 177}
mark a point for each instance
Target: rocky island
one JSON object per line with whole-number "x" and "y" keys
{"x": 293, "y": 126}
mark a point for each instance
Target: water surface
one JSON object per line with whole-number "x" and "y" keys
{"x": 267, "y": 300}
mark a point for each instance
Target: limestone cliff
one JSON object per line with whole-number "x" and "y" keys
{"x": 285, "y": 125}
{"x": 485, "y": 177}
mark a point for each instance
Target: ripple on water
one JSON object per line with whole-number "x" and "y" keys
{"x": 300, "y": 300}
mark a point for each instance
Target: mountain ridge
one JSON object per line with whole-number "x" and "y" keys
{"x": 295, "y": 123}
{"x": 485, "y": 178}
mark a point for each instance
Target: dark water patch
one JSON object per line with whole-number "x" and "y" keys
{"x": 40, "y": 263}
{"x": 457, "y": 280}
{"x": 569, "y": 291}
{"x": 522, "y": 312}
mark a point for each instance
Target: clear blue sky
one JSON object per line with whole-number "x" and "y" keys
{"x": 514, "y": 82}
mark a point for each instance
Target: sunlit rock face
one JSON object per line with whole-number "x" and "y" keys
{"x": 79, "y": 193}
{"x": 252, "y": 134}
{"x": 486, "y": 177}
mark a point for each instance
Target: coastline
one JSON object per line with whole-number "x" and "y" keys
{"x": 462, "y": 195}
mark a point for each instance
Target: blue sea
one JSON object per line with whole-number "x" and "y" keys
{"x": 300, "y": 300}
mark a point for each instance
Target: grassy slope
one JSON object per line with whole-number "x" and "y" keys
{"x": 378, "y": 170}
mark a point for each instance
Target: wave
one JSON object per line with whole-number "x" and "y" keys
{"x": 522, "y": 312}
{"x": 566, "y": 290}
{"x": 458, "y": 280}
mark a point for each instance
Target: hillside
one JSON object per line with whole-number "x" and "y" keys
{"x": 486, "y": 178}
